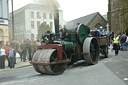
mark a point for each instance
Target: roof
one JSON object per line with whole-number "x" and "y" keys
{"x": 105, "y": 17}
{"x": 88, "y": 18}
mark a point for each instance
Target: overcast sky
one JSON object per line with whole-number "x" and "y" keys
{"x": 73, "y": 9}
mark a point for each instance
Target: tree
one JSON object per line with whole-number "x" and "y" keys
{"x": 124, "y": 12}
{"x": 43, "y": 28}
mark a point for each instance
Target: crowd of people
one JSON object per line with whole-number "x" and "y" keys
{"x": 25, "y": 49}
{"x": 118, "y": 41}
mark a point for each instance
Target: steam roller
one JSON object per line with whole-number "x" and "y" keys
{"x": 64, "y": 48}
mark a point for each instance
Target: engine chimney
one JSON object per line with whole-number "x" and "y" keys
{"x": 56, "y": 21}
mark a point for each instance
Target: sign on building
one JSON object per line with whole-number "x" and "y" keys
{"x": 4, "y": 22}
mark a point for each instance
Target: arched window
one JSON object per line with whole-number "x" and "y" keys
{"x": 38, "y": 15}
{"x": 98, "y": 25}
{"x": 50, "y": 16}
{"x": 51, "y": 24}
{"x": 32, "y": 14}
{"x": 44, "y": 16}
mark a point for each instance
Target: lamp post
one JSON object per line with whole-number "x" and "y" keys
{"x": 12, "y": 21}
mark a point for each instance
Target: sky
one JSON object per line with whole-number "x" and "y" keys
{"x": 72, "y": 9}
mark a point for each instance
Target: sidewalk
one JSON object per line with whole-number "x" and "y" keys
{"x": 18, "y": 65}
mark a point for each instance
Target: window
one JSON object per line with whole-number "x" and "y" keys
{"x": 38, "y": 15}
{"x": 38, "y": 24}
{"x": 32, "y": 24}
{"x": 50, "y": 16}
{"x": 51, "y": 24}
{"x": 44, "y": 15}
{"x": 32, "y": 14}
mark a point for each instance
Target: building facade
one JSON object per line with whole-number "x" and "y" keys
{"x": 28, "y": 19}
{"x": 114, "y": 16}
{"x": 4, "y": 20}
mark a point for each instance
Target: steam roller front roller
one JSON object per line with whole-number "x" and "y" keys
{"x": 47, "y": 56}
{"x": 91, "y": 48}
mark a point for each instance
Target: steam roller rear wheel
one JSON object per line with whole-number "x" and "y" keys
{"x": 91, "y": 50}
{"x": 48, "y": 56}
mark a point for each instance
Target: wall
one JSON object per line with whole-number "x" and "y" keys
{"x": 4, "y": 21}
{"x": 96, "y": 20}
{"x": 114, "y": 16}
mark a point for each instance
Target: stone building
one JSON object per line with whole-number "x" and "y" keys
{"x": 94, "y": 20}
{"x": 114, "y": 16}
{"x": 4, "y": 20}
{"x": 28, "y": 19}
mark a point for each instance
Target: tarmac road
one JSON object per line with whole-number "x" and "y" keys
{"x": 109, "y": 71}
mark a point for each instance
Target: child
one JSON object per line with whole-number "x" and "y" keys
{"x": 11, "y": 58}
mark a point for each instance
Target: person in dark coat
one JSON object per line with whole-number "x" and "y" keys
{"x": 77, "y": 26}
{"x": 29, "y": 50}
{"x": 23, "y": 48}
{"x": 96, "y": 34}
{"x": 88, "y": 28}
{"x": 123, "y": 42}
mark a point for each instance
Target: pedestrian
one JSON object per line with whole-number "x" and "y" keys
{"x": 34, "y": 48}
{"x": 38, "y": 43}
{"x": 13, "y": 45}
{"x": 123, "y": 42}
{"x": 23, "y": 47}
{"x": 112, "y": 35}
{"x": 127, "y": 42}
{"x": 29, "y": 50}
{"x": 87, "y": 27}
{"x": 2, "y": 59}
{"x": 116, "y": 44}
{"x": 11, "y": 58}
{"x": 111, "y": 44}
{"x": 19, "y": 49}
{"x": 7, "y": 49}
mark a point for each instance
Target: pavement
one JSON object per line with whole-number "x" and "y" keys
{"x": 18, "y": 64}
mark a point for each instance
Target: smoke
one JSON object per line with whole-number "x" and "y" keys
{"x": 51, "y": 3}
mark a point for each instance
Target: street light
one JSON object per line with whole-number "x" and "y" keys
{"x": 12, "y": 20}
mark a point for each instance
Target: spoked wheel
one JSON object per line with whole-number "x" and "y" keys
{"x": 48, "y": 56}
{"x": 91, "y": 48}
{"x": 57, "y": 68}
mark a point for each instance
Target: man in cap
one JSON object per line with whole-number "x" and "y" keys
{"x": 101, "y": 31}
